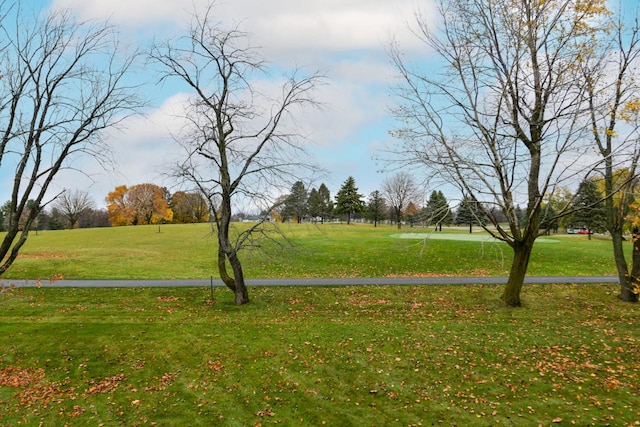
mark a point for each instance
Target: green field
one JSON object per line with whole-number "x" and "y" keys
{"x": 313, "y": 356}
{"x": 365, "y": 356}
{"x": 331, "y": 250}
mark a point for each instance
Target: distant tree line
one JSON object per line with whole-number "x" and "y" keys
{"x": 582, "y": 211}
{"x": 316, "y": 205}
{"x": 136, "y": 205}
{"x": 151, "y": 204}
{"x": 399, "y": 202}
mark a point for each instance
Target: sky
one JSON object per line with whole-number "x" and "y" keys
{"x": 346, "y": 40}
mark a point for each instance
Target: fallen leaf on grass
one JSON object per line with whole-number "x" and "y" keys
{"x": 43, "y": 394}
{"x": 165, "y": 381}
{"x": 167, "y": 298}
{"x": 107, "y": 385}
{"x": 13, "y": 376}
{"x": 215, "y": 365}
{"x": 265, "y": 413}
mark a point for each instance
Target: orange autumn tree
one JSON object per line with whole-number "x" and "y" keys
{"x": 118, "y": 207}
{"x": 137, "y": 205}
{"x": 189, "y": 207}
{"x": 149, "y": 204}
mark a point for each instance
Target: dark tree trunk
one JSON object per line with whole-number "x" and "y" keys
{"x": 227, "y": 252}
{"x": 235, "y": 283}
{"x": 222, "y": 270}
{"x": 241, "y": 292}
{"x": 9, "y": 248}
{"x": 521, "y": 255}
{"x": 398, "y": 212}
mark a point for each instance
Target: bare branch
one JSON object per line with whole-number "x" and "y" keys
{"x": 63, "y": 84}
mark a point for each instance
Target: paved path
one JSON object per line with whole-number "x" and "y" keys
{"x": 309, "y": 282}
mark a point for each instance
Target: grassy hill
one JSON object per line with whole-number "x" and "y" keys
{"x": 330, "y": 250}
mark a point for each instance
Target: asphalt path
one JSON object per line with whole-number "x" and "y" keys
{"x": 305, "y": 282}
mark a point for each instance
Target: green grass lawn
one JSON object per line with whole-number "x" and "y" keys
{"x": 365, "y": 356}
{"x": 330, "y": 250}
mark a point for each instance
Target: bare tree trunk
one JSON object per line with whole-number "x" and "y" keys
{"x": 521, "y": 256}
{"x": 630, "y": 284}
{"x": 222, "y": 270}
{"x": 229, "y": 252}
{"x": 241, "y": 292}
{"x": 235, "y": 283}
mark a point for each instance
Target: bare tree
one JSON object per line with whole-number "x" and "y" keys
{"x": 399, "y": 190}
{"x": 63, "y": 83}
{"x": 503, "y": 120}
{"x": 613, "y": 96}
{"x": 237, "y": 143}
{"x": 72, "y": 204}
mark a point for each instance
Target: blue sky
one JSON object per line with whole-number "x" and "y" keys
{"x": 345, "y": 39}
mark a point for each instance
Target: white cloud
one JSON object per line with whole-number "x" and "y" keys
{"x": 345, "y": 39}
{"x": 142, "y": 148}
{"x": 289, "y": 24}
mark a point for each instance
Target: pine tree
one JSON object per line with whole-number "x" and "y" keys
{"x": 469, "y": 214}
{"x": 376, "y": 208}
{"x": 320, "y": 204}
{"x": 437, "y": 211}
{"x": 590, "y": 213}
{"x": 296, "y": 204}
{"x": 348, "y": 200}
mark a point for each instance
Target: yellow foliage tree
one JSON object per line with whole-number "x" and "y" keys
{"x": 137, "y": 205}
{"x": 148, "y": 204}
{"x": 117, "y": 206}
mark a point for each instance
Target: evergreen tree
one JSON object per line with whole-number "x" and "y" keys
{"x": 296, "y": 204}
{"x": 437, "y": 211}
{"x": 590, "y": 211}
{"x": 313, "y": 204}
{"x": 376, "y": 208}
{"x": 348, "y": 200}
{"x": 319, "y": 203}
{"x": 469, "y": 214}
